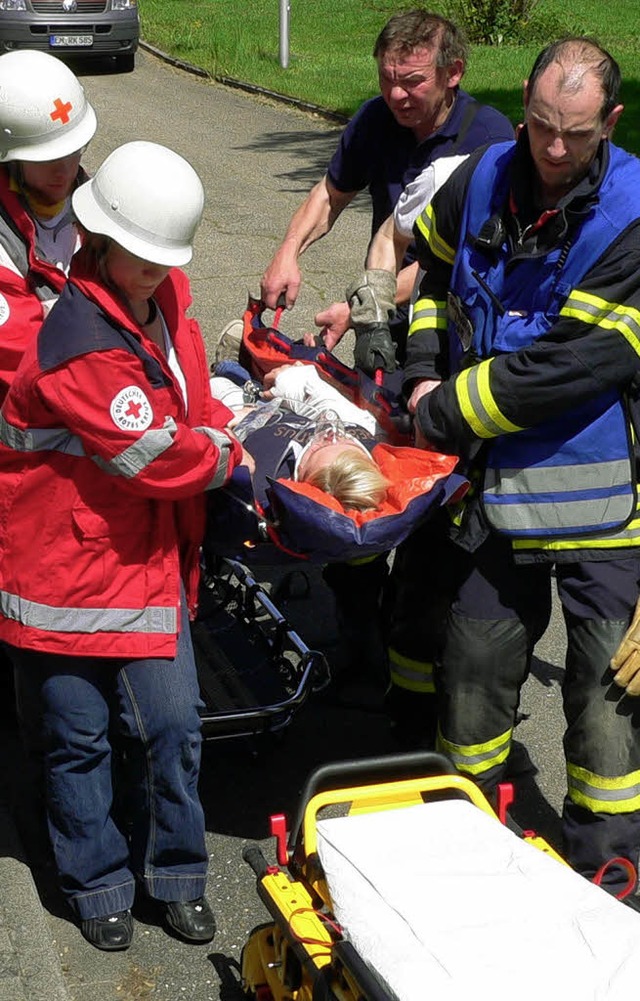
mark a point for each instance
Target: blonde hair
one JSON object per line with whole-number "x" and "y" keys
{"x": 353, "y": 479}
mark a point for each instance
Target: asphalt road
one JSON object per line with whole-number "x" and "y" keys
{"x": 257, "y": 160}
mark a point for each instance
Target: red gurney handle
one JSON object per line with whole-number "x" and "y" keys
{"x": 627, "y": 866}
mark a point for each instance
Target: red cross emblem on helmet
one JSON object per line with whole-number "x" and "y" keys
{"x": 61, "y": 111}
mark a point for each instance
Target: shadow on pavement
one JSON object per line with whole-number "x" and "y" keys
{"x": 531, "y": 810}
{"x": 243, "y": 783}
{"x": 228, "y": 970}
{"x": 547, "y": 674}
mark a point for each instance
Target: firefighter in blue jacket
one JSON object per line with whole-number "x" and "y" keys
{"x": 524, "y": 359}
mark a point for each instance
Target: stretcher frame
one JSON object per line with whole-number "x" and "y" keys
{"x": 301, "y": 955}
{"x": 231, "y": 599}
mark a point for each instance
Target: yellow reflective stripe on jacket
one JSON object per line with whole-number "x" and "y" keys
{"x": 610, "y": 315}
{"x": 412, "y": 675}
{"x": 428, "y": 314}
{"x": 600, "y": 794}
{"x": 476, "y": 759}
{"x": 627, "y": 536}
{"x": 426, "y": 224}
{"x": 478, "y": 405}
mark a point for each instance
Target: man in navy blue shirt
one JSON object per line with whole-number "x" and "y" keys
{"x": 420, "y": 115}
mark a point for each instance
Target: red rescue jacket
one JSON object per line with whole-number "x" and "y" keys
{"x": 102, "y": 477}
{"x": 21, "y": 273}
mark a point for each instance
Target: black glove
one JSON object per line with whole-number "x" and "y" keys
{"x": 374, "y": 348}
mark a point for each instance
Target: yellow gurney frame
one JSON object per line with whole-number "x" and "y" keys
{"x": 301, "y": 955}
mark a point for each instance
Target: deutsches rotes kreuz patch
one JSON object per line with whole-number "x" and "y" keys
{"x": 131, "y": 410}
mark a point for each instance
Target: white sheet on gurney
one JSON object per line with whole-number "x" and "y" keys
{"x": 444, "y": 902}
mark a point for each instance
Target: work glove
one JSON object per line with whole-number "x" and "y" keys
{"x": 374, "y": 349}
{"x": 372, "y": 297}
{"x": 371, "y": 300}
{"x": 626, "y": 660}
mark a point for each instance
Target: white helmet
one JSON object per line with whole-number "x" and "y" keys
{"x": 146, "y": 198}
{"x": 44, "y": 114}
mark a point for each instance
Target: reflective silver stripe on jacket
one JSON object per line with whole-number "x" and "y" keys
{"x": 429, "y": 314}
{"x": 223, "y": 442}
{"x": 562, "y": 480}
{"x": 154, "y": 619}
{"x": 478, "y": 405}
{"x": 628, "y": 536}
{"x": 129, "y": 463}
{"x": 620, "y": 317}
{"x": 39, "y": 439}
{"x": 142, "y": 453}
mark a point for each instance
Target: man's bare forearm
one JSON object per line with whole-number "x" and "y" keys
{"x": 387, "y": 248}
{"x": 312, "y": 220}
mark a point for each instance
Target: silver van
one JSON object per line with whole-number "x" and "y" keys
{"x": 72, "y": 28}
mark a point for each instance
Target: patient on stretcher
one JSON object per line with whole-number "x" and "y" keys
{"x": 328, "y": 484}
{"x": 333, "y": 459}
{"x": 336, "y": 462}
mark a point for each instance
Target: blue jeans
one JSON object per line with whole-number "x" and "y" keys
{"x": 72, "y": 709}
{"x": 235, "y": 371}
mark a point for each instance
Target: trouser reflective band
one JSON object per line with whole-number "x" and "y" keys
{"x": 414, "y": 675}
{"x": 600, "y": 794}
{"x": 477, "y": 759}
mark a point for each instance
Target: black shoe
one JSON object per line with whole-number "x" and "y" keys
{"x": 110, "y": 933}
{"x": 192, "y": 920}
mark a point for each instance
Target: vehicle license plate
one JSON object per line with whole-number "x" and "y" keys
{"x": 70, "y": 40}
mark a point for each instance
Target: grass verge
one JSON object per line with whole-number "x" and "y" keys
{"x": 330, "y": 44}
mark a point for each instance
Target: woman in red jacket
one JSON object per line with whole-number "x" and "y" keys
{"x": 46, "y": 123}
{"x": 109, "y": 440}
